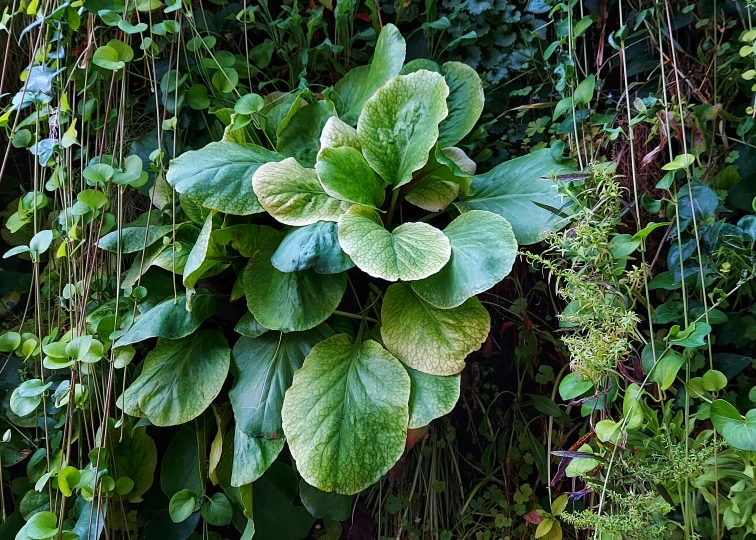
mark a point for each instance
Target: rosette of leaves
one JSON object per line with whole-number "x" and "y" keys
{"x": 340, "y": 200}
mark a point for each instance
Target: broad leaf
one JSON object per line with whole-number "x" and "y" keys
{"x": 465, "y": 102}
{"x": 431, "y": 397}
{"x": 483, "y": 250}
{"x": 219, "y": 176}
{"x": 170, "y": 319}
{"x": 184, "y": 448}
{"x": 134, "y": 239}
{"x": 399, "y": 125}
{"x": 740, "y": 433}
{"x": 179, "y": 379}
{"x": 512, "y": 190}
{"x": 361, "y": 83}
{"x": 325, "y": 505}
{"x": 293, "y": 195}
{"x": 299, "y": 135}
{"x": 337, "y": 133}
{"x": 429, "y": 339}
{"x": 276, "y": 517}
{"x": 346, "y": 414}
{"x": 252, "y": 457}
{"x": 315, "y": 246}
{"x": 345, "y": 175}
{"x": 290, "y": 301}
{"x": 205, "y": 258}
{"x": 411, "y": 251}
{"x": 248, "y": 239}
{"x": 439, "y": 183}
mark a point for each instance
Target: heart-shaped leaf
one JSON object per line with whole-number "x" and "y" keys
{"x": 399, "y": 125}
{"x": 483, "y": 250}
{"x": 293, "y": 195}
{"x": 219, "y": 176}
{"x": 345, "y": 415}
{"x": 740, "y": 433}
{"x": 429, "y": 339}
{"x": 411, "y": 251}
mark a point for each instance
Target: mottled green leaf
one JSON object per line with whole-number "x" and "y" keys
{"x": 431, "y": 397}
{"x": 399, "y": 125}
{"x": 483, "y": 250}
{"x": 345, "y": 415}
{"x": 337, "y": 133}
{"x": 512, "y": 190}
{"x": 361, "y": 83}
{"x": 345, "y": 175}
{"x": 293, "y": 195}
{"x": 411, "y": 251}
{"x": 219, "y": 176}
{"x": 179, "y": 379}
{"x": 429, "y": 339}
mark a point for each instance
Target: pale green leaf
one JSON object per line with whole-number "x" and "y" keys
{"x": 345, "y": 175}
{"x": 337, "y": 133}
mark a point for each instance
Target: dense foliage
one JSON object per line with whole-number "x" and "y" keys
{"x": 475, "y": 269}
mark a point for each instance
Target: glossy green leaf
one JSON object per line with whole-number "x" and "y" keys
{"x": 345, "y": 175}
{"x": 399, "y": 125}
{"x": 465, "y": 102}
{"x": 345, "y": 415}
{"x": 170, "y": 319}
{"x": 429, "y": 339}
{"x": 483, "y": 250}
{"x": 179, "y": 379}
{"x": 512, "y": 190}
{"x": 219, "y": 176}
{"x": 293, "y": 195}
{"x": 315, "y": 246}
{"x": 740, "y": 433}
{"x": 217, "y": 510}
{"x": 361, "y": 83}
{"x": 299, "y": 135}
{"x": 411, "y": 251}
{"x": 431, "y": 397}
{"x": 290, "y": 301}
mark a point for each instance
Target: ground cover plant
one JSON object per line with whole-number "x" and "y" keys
{"x": 360, "y": 270}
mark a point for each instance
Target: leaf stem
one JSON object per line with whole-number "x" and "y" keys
{"x": 392, "y": 208}
{"x": 355, "y": 316}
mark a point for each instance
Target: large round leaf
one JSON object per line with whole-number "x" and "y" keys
{"x": 345, "y": 175}
{"x": 345, "y": 416}
{"x": 740, "y": 433}
{"x": 290, "y": 301}
{"x": 411, "y": 251}
{"x": 515, "y": 189}
{"x": 293, "y": 195}
{"x": 431, "y": 397}
{"x": 430, "y": 339}
{"x": 465, "y": 102}
{"x": 219, "y": 176}
{"x": 263, "y": 368}
{"x": 179, "y": 379}
{"x": 399, "y": 125}
{"x": 315, "y": 246}
{"x": 483, "y": 249}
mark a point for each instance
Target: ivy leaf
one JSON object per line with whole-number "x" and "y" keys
{"x": 465, "y": 103}
{"x": 170, "y": 319}
{"x": 411, "y": 251}
{"x": 217, "y": 510}
{"x": 399, "y": 125}
{"x": 483, "y": 250}
{"x": 315, "y": 246}
{"x": 299, "y": 135}
{"x": 429, "y": 339}
{"x": 219, "y": 176}
{"x": 740, "y": 433}
{"x": 293, "y": 195}
{"x": 345, "y": 175}
{"x": 431, "y": 397}
{"x": 345, "y": 415}
{"x": 179, "y": 379}
{"x": 291, "y": 301}
{"x": 514, "y": 190}
{"x": 361, "y": 83}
